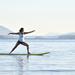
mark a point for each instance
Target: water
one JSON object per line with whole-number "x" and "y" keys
{"x": 60, "y": 61}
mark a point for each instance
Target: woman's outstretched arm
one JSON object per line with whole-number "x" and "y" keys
{"x": 29, "y": 32}
{"x": 14, "y": 33}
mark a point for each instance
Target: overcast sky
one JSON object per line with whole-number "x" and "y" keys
{"x": 45, "y": 16}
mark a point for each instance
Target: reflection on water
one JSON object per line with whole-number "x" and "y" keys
{"x": 24, "y": 65}
{"x": 20, "y": 65}
{"x": 32, "y": 65}
{"x": 21, "y": 62}
{"x": 13, "y": 65}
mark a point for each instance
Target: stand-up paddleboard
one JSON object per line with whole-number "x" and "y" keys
{"x": 36, "y": 54}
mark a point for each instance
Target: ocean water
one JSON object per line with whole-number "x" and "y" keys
{"x": 60, "y": 60}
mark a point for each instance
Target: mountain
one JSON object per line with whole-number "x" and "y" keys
{"x": 4, "y": 30}
{"x": 4, "y": 35}
{"x": 67, "y": 36}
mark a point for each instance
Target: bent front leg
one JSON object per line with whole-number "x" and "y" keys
{"x": 25, "y": 44}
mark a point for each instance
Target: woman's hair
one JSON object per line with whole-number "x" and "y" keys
{"x": 21, "y": 29}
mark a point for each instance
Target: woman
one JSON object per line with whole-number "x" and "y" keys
{"x": 20, "y": 40}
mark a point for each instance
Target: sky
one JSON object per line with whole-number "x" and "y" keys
{"x": 45, "y": 16}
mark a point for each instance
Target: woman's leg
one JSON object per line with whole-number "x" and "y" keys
{"x": 14, "y": 47}
{"x": 25, "y": 44}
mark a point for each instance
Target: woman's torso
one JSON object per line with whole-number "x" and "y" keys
{"x": 21, "y": 39}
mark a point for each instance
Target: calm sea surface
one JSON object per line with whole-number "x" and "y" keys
{"x": 60, "y": 60}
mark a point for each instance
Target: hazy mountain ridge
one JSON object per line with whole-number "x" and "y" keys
{"x": 67, "y": 36}
{"x": 4, "y": 35}
{"x": 4, "y": 30}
